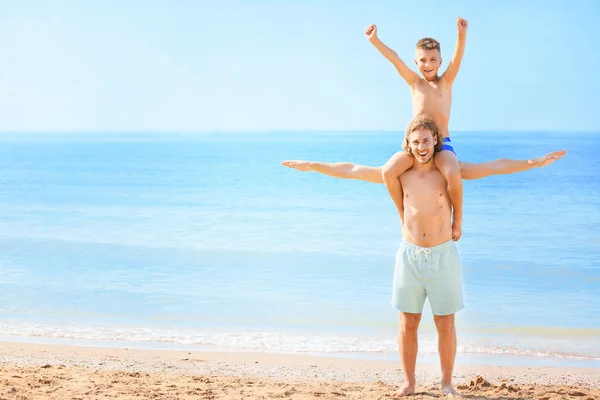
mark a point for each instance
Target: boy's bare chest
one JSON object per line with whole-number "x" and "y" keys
{"x": 433, "y": 99}
{"x": 433, "y": 91}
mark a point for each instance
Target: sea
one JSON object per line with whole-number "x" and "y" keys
{"x": 205, "y": 242}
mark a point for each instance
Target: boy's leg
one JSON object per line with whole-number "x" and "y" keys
{"x": 506, "y": 166}
{"x": 447, "y": 163}
{"x": 390, "y": 173}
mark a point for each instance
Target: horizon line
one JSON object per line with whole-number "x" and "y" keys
{"x": 272, "y": 131}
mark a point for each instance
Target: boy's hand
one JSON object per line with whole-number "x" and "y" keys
{"x": 462, "y": 25}
{"x": 371, "y": 31}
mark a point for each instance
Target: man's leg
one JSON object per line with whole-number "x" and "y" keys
{"x": 446, "y": 298}
{"x": 447, "y": 349}
{"x": 408, "y": 346}
{"x": 505, "y": 166}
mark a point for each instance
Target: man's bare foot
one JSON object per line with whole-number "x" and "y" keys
{"x": 449, "y": 391}
{"x": 405, "y": 390}
{"x": 549, "y": 158}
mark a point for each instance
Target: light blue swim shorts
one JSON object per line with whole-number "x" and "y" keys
{"x": 432, "y": 272}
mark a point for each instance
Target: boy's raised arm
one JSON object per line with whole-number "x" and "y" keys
{"x": 406, "y": 73}
{"x": 459, "y": 51}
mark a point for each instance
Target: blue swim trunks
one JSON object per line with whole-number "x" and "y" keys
{"x": 448, "y": 145}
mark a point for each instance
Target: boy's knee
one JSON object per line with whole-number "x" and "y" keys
{"x": 386, "y": 170}
{"x": 446, "y": 161}
{"x": 449, "y": 164}
{"x": 389, "y": 173}
{"x": 451, "y": 173}
{"x": 396, "y": 166}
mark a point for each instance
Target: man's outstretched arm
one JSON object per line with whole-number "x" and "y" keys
{"x": 505, "y": 166}
{"x": 347, "y": 170}
{"x": 344, "y": 170}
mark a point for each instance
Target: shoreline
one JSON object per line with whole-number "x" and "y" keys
{"x": 463, "y": 358}
{"x": 87, "y": 372}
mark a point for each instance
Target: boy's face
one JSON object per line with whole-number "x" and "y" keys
{"x": 429, "y": 62}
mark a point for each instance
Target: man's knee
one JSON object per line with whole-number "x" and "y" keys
{"x": 409, "y": 322}
{"x": 444, "y": 323}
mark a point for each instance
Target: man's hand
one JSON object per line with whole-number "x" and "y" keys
{"x": 548, "y": 158}
{"x": 456, "y": 230}
{"x": 462, "y": 26}
{"x": 296, "y": 164}
{"x": 371, "y": 31}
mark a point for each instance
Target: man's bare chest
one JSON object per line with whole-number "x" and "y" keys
{"x": 423, "y": 186}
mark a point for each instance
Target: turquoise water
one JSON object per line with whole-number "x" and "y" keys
{"x": 205, "y": 241}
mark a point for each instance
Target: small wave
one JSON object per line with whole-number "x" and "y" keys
{"x": 270, "y": 341}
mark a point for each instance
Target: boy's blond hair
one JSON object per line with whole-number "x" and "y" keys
{"x": 428, "y": 44}
{"x": 423, "y": 121}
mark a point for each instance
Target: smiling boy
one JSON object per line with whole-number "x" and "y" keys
{"x": 431, "y": 95}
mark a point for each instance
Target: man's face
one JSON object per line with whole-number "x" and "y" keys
{"x": 422, "y": 145}
{"x": 429, "y": 62}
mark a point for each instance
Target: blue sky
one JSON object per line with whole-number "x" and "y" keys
{"x": 225, "y": 65}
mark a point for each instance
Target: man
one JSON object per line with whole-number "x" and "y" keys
{"x": 427, "y": 263}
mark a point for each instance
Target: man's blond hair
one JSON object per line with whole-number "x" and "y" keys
{"x": 419, "y": 122}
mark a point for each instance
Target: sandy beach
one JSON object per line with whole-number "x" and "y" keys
{"x": 32, "y": 371}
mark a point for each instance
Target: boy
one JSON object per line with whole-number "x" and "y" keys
{"x": 431, "y": 95}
